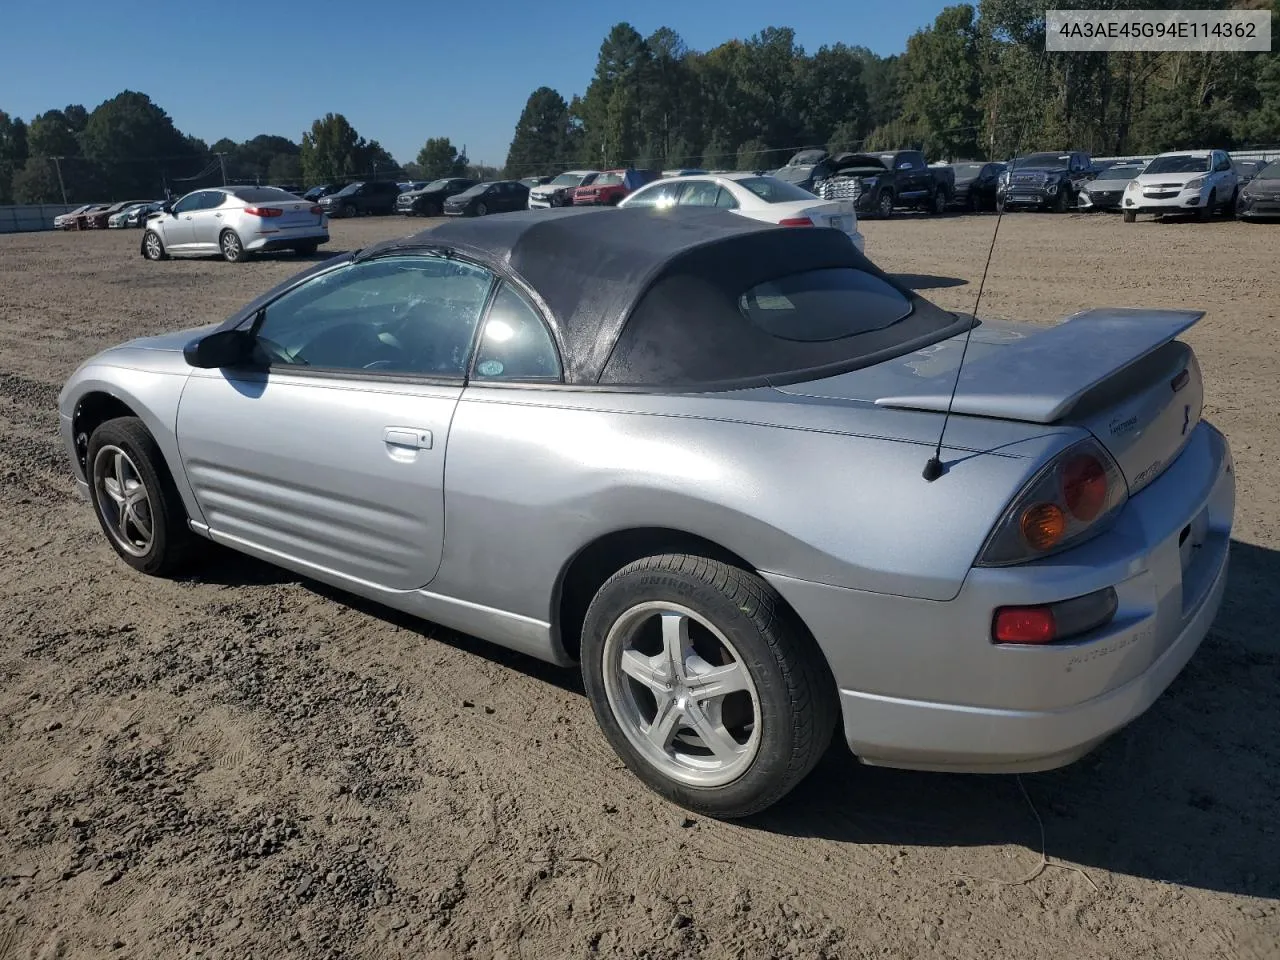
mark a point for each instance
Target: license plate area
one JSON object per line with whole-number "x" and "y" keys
{"x": 837, "y": 222}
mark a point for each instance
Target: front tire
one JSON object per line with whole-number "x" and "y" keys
{"x": 1064, "y": 201}
{"x": 481, "y": 209}
{"x": 938, "y": 202}
{"x": 705, "y": 685}
{"x": 1206, "y": 212}
{"x": 884, "y": 204}
{"x": 153, "y": 246}
{"x": 135, "y": 499}
{"x": 1130, "y": 216}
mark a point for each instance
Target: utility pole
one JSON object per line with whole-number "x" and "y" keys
{"x": 222, "y": 162}
{"x": 57, "y": 162}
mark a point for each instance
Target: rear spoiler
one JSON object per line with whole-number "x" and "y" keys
{"x": 1040, "y": 378}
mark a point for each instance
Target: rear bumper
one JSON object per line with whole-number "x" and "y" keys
{"x": 923, "y": 687}
{"x": 287, "y": 238}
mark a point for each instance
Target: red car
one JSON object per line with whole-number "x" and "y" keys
{"x": 611, "y": 186}
{"x": 96, "y": 218}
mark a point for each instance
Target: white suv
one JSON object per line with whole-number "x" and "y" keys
{"x": 1184, "y": 181}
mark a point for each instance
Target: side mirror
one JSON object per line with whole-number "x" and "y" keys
{"x": 225, "y": 348}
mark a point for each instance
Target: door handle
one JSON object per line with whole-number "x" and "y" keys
{"x": 410, "y": 437}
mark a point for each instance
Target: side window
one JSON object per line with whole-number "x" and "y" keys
{"x": 412, "y": 315}
{"x": 514, "y": 343}
{"x": 699, "y": 193}
{"x": 904, "y": 163}
{"x": 191, "y": 201}
{"x": 212, "y": 199}
{"x": 663, "y": 195}
{"x": 725, "y": 200}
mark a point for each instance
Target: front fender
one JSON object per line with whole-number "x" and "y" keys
{"x": 153, "y": 396}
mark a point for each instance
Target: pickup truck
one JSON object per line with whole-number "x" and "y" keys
{"x": 1051, "y": 180}
{"x": 877, "y": 183}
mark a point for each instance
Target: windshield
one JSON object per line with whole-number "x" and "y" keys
{"x": 568, "y": 180}
{"x": 773, "y": 190}
{"x": 1270, "y": 172}
{"x": 795, "y": 174}
{"x": 1119, "y": 173}
{"x": 349, "y": 189}
{"x": 1180, "y": 163}
{"x": 608, "y": 180}
{"x": 436, "y": 185}
{"x": 475, "y": 191}
{"x": 1043, "y": 161}
{"x": 969, "y": 169}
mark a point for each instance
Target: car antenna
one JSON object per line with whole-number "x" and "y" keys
{"x": 933, "y": 467}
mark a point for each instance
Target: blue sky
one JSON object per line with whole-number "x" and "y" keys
{"x": 399, "y": 71}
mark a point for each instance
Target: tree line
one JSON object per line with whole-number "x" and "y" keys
{"x": 976, "y": 84}
{"x": 129, "y": 148}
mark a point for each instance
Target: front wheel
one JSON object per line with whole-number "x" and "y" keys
{"x": 705, "y": 685}
{"x": 1205, "y": 212}
{"x": 153, "y": 246}
{"x": 1064, "y": 201}
{"x": 232, "y": 249}
{"x": 481, "y": 209}
{"x": 135, "y": 500}
{"x": 1130, "y": 216}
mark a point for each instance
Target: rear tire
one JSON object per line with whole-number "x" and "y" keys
{"x": 135, "y": 499}
{"x": 665, "y": 630}
{"x": 1063, "y": 202}
{"x": 232, "y": 249}
{"x": 938, "y": 202}
{"x": 306, "y": 249}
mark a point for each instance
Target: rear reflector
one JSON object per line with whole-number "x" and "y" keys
{"x": 264, "y": 211}
{"x": 795, "y": 222}
{"x": 1051, "y": 622}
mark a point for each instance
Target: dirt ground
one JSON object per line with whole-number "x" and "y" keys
{"x": 246, "y": 765}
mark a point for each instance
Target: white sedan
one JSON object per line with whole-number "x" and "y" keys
{"x": 752, "y": 195}
{"x": 1185, "y": 181}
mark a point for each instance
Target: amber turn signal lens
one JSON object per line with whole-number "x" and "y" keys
{"x": 1043, "y": 525}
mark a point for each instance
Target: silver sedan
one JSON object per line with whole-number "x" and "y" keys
{"x": 692, "y": 453}
{"x": 235, "y": 222}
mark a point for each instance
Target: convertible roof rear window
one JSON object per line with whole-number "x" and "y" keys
{"x": 700, "y": 328}
{"x": 822, "y": 305}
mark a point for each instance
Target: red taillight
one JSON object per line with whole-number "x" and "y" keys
{"x": 264, "y": 211}
{"x": 1024, "y": 625}
{"x": 1084, "y": 486}
{"x": 317, "y": 209}
{"x": 1050, "y": 622}
{"x": 795, "y": 222}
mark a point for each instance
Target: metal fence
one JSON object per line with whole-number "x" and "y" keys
{"x": 31, "y": 216}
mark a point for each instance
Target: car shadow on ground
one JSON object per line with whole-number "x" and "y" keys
{"x": 925, "y": 281}
{"x": 1187, "y": 794}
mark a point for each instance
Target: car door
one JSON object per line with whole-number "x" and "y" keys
{"x": 179, "y": 226}
{"x": 328, "y": 450}
{"x": 1225, "y": 174}
{"x": 910, "y": 174}
{"x": 207, "y": 221}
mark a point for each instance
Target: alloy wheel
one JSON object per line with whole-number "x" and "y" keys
{"x": 153, "y": 246}
{"x": 681, "y": 694}
{"x": 124, "y": 501}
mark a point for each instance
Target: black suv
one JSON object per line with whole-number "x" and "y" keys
{"x": 1045, "y": 181}
{"x": 429, "y": 201}
{"x": 361, "y": 198}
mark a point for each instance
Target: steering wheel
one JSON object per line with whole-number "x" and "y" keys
{"x": 278, "y": 352}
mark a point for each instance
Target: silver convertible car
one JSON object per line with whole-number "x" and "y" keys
{"x": 687, "y": 451}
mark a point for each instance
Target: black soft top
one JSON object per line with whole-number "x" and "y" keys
{"x": 649, "y": 299}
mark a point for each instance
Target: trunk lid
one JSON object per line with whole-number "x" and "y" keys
{"x": 1119, "y": 373}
